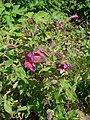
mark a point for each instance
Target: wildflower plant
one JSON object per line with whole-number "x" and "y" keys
{"x": 44, "y": 65}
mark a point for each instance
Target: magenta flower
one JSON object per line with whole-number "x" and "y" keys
{"x": 38, "y": 53}
{"x": 31, "y": 58}
{"x": 38, "y": 56}
{"x": 75, "y": 17}
{"x": 60, "y": 25}
{"x": 63, "y": 67}
{"x": 29, "y": 62}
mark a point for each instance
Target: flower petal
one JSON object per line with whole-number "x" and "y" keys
{"x": 31, "y": 56}
{"x": 60, "y": 25}
{"x": 38, "y": 59}
{"x": 38, "y": 53}
{"x": 63, "y": 66}
{"x": 75, "y": 17}
{"x": 29, "y": 65}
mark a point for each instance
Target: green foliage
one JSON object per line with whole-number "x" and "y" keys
{"x": 46, "y": 93}
{"x": 82, "y": 8}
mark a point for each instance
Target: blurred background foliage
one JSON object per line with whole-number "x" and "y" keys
{"x": 81, "y": 7}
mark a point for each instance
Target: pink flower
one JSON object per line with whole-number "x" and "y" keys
{"x": 38, "y": 53}
{"x": 60, "y": 25}
{"x": 63, "y": 67}
{"x": 38, "y": 56}
{"x": 29, "y": 62}
{"x": 75, "y": 17}
{"x": 31, "y": 58}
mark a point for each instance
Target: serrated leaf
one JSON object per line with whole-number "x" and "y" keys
{"x": 7, "y": 106}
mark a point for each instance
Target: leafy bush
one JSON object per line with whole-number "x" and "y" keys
{"x": 82, "y": 8}
{"x": 44, "y": 64}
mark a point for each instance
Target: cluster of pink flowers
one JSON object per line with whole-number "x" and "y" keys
{"x": 31, "y": 58}
{"x": 38, "y": 57}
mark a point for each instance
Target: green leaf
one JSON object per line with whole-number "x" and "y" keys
{"x": 16, "y": 7}
{"x": 44, "y": 69}
{"x": 7, "y": 106}
{"x": 29, "y": 14}
{"x": 2, "y": 8}
{"x": 19, "y": 34}
{"x": 8, "y": 63}
{"x": 41, "y": 16}
{"x": 8, "y": 5}
{"x": 16, "y": 10}
{"x": 9, "y": 20}
{"x": 71, "y": 95}
{"x": 20, "y": 73}
{"x": 22, "y": 108}
{"x": 0, "y": 86}
{"x": 72, "y": 114}
{"x": 60, "y": 112}
{"x": 48, "y": 35}
{"x": 21, "y": 19}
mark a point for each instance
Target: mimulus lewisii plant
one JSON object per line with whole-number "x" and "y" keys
{"x": 31, "y": 58}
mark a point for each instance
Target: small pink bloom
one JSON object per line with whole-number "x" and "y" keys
{"x": 31, "y": 58}
{"x": 60, "y": 25}
{"x": 38, "y": 56}
{"x": 63, "y": 67}
{"x": 29, "y": 62}
{"x": 75, "y": 17}
{"x": 38, "y": 53}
